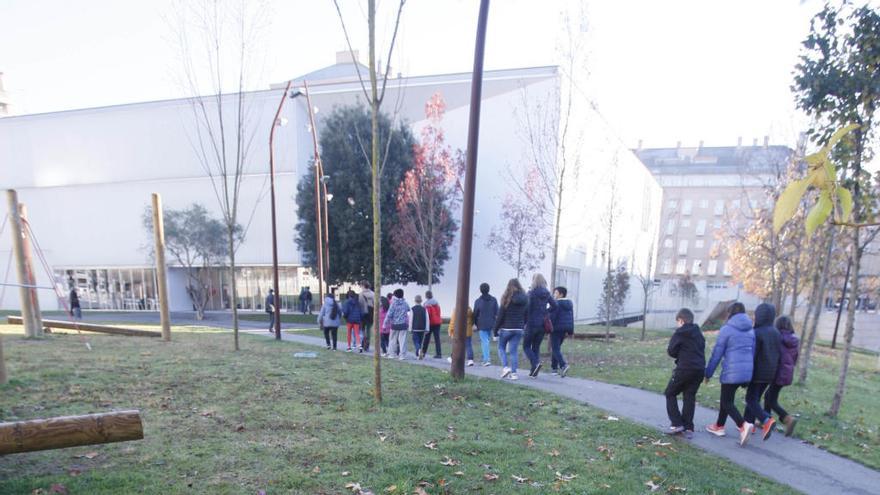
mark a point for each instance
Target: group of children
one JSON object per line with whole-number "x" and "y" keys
{"x": 521, "y": 316}
{"x": 759, "y": 356}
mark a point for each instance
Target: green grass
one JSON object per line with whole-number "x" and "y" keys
{"x": 223, "y": 422}
{"x": 285, "y": 317}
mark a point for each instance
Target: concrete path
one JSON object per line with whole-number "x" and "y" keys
{"x": 786, "y": 460}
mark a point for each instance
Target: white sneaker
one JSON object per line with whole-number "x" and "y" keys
{"x": 744, "y": 433}
{"x": 449, "y": 359}
{"x": 470, "y": 362}
{"x": 487, "y": 363}
{"x": 513, "y": 376}
{"x": 505, "y": 372}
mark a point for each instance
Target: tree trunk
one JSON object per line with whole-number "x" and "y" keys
{"x": 817, "y": 305}
{"x": 556, "y": 238}
{"x": 644, "y": 315}
{"x": 377, "y": 224}
{"x": 3, "y": 378}
{"x": 234, "y": 303}
{"x": 850, "y": 324}
{"x": 608, "y": 295}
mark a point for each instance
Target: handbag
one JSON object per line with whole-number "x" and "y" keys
{"x": 548, "y": 325}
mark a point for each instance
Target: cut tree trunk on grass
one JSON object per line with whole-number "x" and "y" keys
{"x": 593, "y": 335}
{"x": 70, "y": 431}
{"x": 89, "y": 327}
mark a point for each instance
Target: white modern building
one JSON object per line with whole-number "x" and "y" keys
{"x": 86, "y": 177}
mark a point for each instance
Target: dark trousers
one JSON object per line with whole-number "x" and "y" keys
{"x": 330, "y": 333}
{"x": 271, "y": 320}
{"x": 418, "y": 336}
{"x": 383, "y": 342}
{"x": 556, "y": 339}
{"x": 686, "y": 383}
{"x": 771, "y": 401}
{"x": 753, "y": 402}
{"x": 433, "y": 330}
{"x": 365, "y": 335}
{"x": 532, "y": 338}
{"x": 728, "y": 404}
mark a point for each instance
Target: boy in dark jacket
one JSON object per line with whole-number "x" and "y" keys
{"x": 563, "y": 325}
{"x": 485, "y": 311}
{"x": 768, "y": 345}
{"x": 419, "y": 325}
{"x": 688, "y": 347}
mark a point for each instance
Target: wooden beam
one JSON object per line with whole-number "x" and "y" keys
{"x": 89, "y": 327}
{"x": 3, "y": 378}
{"x": 591, "y": 335}
{"x": 16, "y": 229}
{"x": 70, "y": 431}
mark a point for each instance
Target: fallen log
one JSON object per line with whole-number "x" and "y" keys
{"x": 70, "y": 431}
{"x": 89, "y": 327}
{"x": 591, "y": 335}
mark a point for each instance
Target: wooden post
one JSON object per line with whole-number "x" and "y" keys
{"x": 3, "y": 377}
{"x": 159, "y": 235}
{"x": 29, "y": 262}
{"x": 27, "y": 310}
{"x": 70, "y": 431}
{"x": 89, "y": 327}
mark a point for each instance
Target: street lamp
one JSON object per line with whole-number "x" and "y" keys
{"x": 277, "y": 122}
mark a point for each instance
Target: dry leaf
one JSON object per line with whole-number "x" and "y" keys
{"x": 650, "y": 484}
{"x": 565, "y": 477}
{"x": 420, "y": 491}
{"x": 458, "y": 473}
{"x": 553, "y": 453}
{"x": 530, "y": 443}
{"x": 660, "y": 454}
{"x": 613, "y": 418}
{"x": 207, "y": 414}
{"x": 382, "y": 438}
{"x": 746, "y": 490}
{"x": 448, "y": 461}
{"x": 441, "y": 482}
{"x": 519, "y": 479}
{"x": 239, "y": 427}
{"x": 661, "y": 444}
{"x": 431, "y": 445}
{"x": 391, "y": 489}
{"x": 74, "y": 472}
{"x": 346, "y": 473}
{"x": 58, "y": 488}
{"x": 316, "y": 470}
{"x": 490, "y": 476}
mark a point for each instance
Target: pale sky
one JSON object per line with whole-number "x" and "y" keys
{"x": 660, "y": 71}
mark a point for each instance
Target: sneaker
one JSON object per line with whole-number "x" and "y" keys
{"x": 565, "y": 370}
{"x": 716, "y": 430}
{"x": 745, "y": 431}
{"x": 767, "y": 429}
{"x": 513, "y": 376}
{"x": 348, "y": 350}
{"x": 537, "y": 370}
{"x": 328, "y": 347}
{"x": 384, "y": 355}
{"x": 421, "y": 354}
{"x": 674, "y": 430}
{"x": 689, "y": 434}
{"x": 789, "y": 422}
{"x": 555, "y": 373}
{"x": 438, "y": 356}
{"x": 470, "y": 362}
{"x": 448, "y": 360}
{"x": 505, "y": 372}
{"x": 486, "y": 363}
{"x": 360, "y": 349}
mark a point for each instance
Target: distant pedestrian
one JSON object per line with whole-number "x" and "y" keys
{"x": 541, "y": 303}
{"x": 688, "y": 347}
{"x": 367, "y": 300}
{"x": 468, "y": 335}
{"x": 735, "y": 350}
{"x": 270, "y": 308}
{"x": 435, "y": 321}
{"x": 305, "y": 301}
{"x": 352, "y": 312}
{"x": 384, "y": 328}
{"x": 509, "y": 326}
{"x": 419, "y": 325}
{"x": 784, "y": 374}
{"x": 397, "y": 316}
{"x": 75, "y": 309}
{"x": 768, "y": 345}
{"x": 329, "y": 320}
{"x": 485, "y": 311}
{"x": 562, "y": 319}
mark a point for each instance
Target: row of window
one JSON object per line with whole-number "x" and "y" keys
{"x": 713, "y": 267}
{"x": 700, "y": 228}
{"x": 687, "y": 205}
{"x": 683, "y": 245}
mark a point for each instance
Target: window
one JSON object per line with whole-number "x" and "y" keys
{"x": 685, "y": 223}
{"x": 727, "y": 268}
{"x": 701, "y": 227}
{"x": 667, "y": 267}
{"x": 681, "y": 266}
{"x": 670, "y": 226}
{"x": 735, "y": 205}
{"x": 687, "y": 206}
{"x": 683, "y": 247}
{"x": 712, "y": 269}
{"x": 672, "y": 204}
{"x": 719, "y": 206}
{"x": 698, "y": 244}
{"x": 697, "y": 267}
{"x": 704, "y": 203}
{"x": 667, "y": 243}
{"x": 716, "y": 224}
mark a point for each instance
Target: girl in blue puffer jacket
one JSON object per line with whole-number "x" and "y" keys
{"x": 736, "y": 348}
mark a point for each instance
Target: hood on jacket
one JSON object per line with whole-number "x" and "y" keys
{"x": 789, "y": 339}
{"x": 765, "y": 314}
{"x": 740, "y": 321}
{"x": 687, "y": 327}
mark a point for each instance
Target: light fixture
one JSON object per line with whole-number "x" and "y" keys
{"x": 329, "y": 197}
{"x": 351, "y": 201}
{"x": 281, "y": 121}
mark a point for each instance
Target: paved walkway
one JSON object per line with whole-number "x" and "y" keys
{"x": 786, "y": 460}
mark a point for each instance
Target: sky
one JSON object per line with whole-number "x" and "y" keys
{"x": 661, "y": 72}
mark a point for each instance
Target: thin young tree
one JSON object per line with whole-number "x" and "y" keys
{"x": 219, "y": 43}
{"x": 375, "y": 95}
{"x": 519, "y": 239}
{"x": 610, "y": 219}
{"x": 646, "y": 283}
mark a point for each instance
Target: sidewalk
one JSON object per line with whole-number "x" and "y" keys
{"x": 785, "y": 460}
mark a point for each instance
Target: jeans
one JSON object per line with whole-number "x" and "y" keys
{"x": 328, "y": 333}
{"x": 753, "y": 402}
{"x": 271, "y": 320}
{"x": 508, "y": 348}
{"x": 365, "y": 335}
{"x": 556, "y": 339}
{"x": 398, "y": 343}
{"x": 686, "y": 383}
{"x": 485, "y": 338}
{"x": 728, "y": 404}
{"x": 532, "y": 338}
{"x": 356, "y": 329}
{"x": 469, "y": 348}
{"x": 418, "y": 336}
{"x": 383, "y": 342}
{"x": 433, "y": 330}
{"x": 771, "y": 401}
{"x": 77, "y": 313}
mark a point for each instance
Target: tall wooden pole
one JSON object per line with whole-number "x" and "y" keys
{"x": 29, "y": 262}
{"x": 467, "y": 211}
{"x": 159, "y": 237}
{"x": 319, "y": 236}
{"x": 15, "y": 226}
{"x": 275, "y": 284}
{"x": 3, "y": 377}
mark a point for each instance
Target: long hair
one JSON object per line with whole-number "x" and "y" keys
{"x": 513, "y": 286}
{"x": 735, "y": 309}
{"x": 784, "y": 323}
{"x": 539, "y": 281}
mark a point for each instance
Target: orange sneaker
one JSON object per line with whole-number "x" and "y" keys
{"x": 716, "y": 430}
{"x": 767, "y": 428}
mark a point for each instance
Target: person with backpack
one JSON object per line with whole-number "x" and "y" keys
{"x": 329, "y": 320}
{"x": 735, "y": 351}
{"x": 784, "y": 374}
{"x": 688, "y": 347}
{"x": 468, "y": 336}
{"x": 485, "y": 311}
{"x": 435, "y": 321}
{"x": 768, "y": 344}
{"x": 367, "y": 300}
{"x": 270, "y": 308}
{"x": 75, "y": 308}
{"x": 384, "y": 329}
{"x": 509, "y": 325}
{"x": 352, "y": 312}
{"x": 541, "y": 303}
{"x": 419, "y": 325}
{"x": 397, "y": 316}
{"x": 562, "y": 319}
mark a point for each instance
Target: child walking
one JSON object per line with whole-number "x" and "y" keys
{"x": 384, "y": 329}
{"x": 784, "y": 375}
{"x": 485, "y": 311}
{"x": 688, "y": 347}
{"x": 563, "y": 326}
{"x": 352, "y": 312}
{"x": 435, "y": 320}
{"x": 541, "y": 303}
{"x": 397, "y": 318}
{"x": 768, "y": 343}
{"x": 419, "y": 325}
{"x": 509, "y": 327}
{"x": 469, "y": 334}
{"x": 329, "y": 320}
{"x": 736, "y": 348}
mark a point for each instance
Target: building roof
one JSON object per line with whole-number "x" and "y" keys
{"x": 716, "y": 159}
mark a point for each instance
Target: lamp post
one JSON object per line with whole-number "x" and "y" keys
{"x": 275, "y": 123}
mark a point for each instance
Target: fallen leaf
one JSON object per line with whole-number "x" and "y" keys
{"x": 431, "y": 445}
{"x": 746, "y": 490}
{"x": 458, "y": 398}
{"x": 382, "y": 438}
{"x": 490, "y": 476}
{"x": 519, "y": 479}
{"x": 650, "y": 484}
{"x": 441, "y": 482}
{"x": 355, "y": 487}
{"x": 613, "y": 418}
{"x": 58, "y": 488}
{"x": 424, "y": 484}
{"x": 565, "y": 477}
{"x": 316, "y": 470}
{"x": 448, "y": 461}
{"x": 676, "y": 489}
{"x": 530, "y": 443}
{"x": 553, "y": 453}
{"x": 660, "y": 454}
{"x": 605, "y": 485}
{"x": 74, "y": 472}
{"x": 391, "y": 489}
{"x": 239, "y": 427}
{"x": 346, "y": 473}
{"x": 420, "y": 491}
{"x": 661, "y": 444}
{"x": 458, "y": 473}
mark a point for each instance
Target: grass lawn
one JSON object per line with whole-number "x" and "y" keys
{"x": 261, "y": 420}
{"x": 285, "y": 317}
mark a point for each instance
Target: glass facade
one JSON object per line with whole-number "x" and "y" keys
{"x": 130, "y": 289}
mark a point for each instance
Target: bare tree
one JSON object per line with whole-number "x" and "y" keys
{"x": 610, "y": 219}
{"x": 646, "y": 282}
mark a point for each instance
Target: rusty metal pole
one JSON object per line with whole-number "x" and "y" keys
{"x": 467, "y": 210}
{"x": 318, "y": 222}
{"x": 275, "y": 285}
{"x": 15, "y": 227}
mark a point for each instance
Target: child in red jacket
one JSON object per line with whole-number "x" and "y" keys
{"x": 434, "y": 323}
